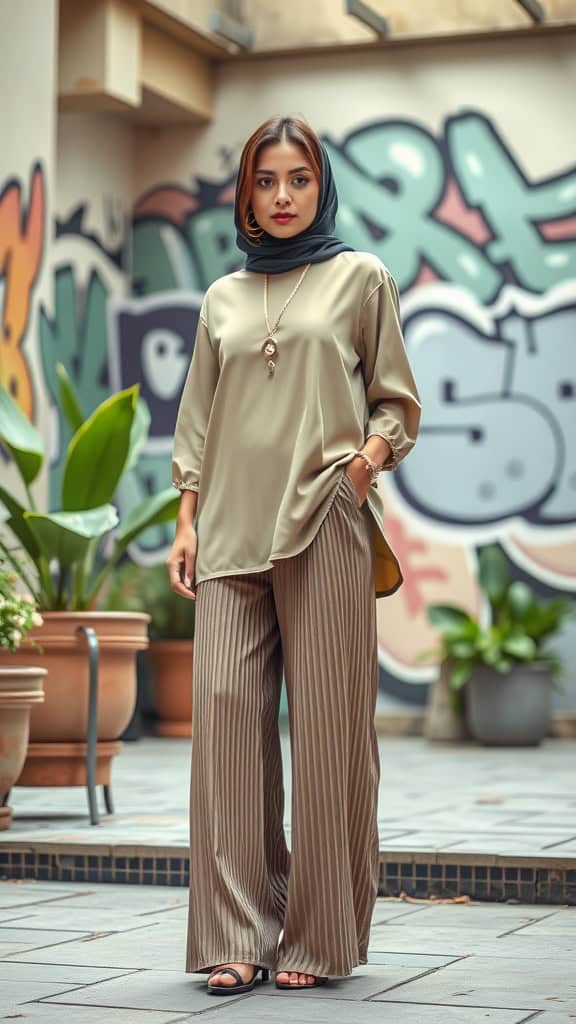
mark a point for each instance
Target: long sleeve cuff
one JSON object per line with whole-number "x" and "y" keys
{"x": 393, "y": 401}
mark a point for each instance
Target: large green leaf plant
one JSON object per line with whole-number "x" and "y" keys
{"x": 62, "y": 556}
{"x": 518, "y": 629}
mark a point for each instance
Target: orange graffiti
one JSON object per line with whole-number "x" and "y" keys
{"x": 21, "y": 246}
{"x": 407, "y": 547}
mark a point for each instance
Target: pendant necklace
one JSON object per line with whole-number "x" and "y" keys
{"x": 270, "y": 347}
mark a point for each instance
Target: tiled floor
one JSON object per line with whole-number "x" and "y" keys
{"x": 457, "y": 799}
{"x": 87, "y": 954}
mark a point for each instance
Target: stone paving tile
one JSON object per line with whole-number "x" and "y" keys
{"x": 389, "y": 910}
{"x": 325, "y": 1011}
{"x": 493, "y": 916}
{"x": 568, "y": 848}
{"x": 105, "y": 919}
{"x": 423, "y": 840}
{"x": 556, "y": 1018}
{"x": 13, "y": 916}
{"x": 18, "y": 992}
{"x": 520, "y": 945}
{"x": 134, "y": 949}
{"x": 456, "y": 942}
{"x": 428, "y": 960}
{"x": 21, "y": 940}
{"x": 160, "y": 990}
{"x": 14, "y": 894}
{"x": 471, "y": 963}
{"x": 45, "y": 1013}
{"x": 496, "y": 981}
{"x": 559, "y": 923}
{"x": 132, "y": 898}
{"x": 12, "y": 970}
{"x": 450, "y": 942}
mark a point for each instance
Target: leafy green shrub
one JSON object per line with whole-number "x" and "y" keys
{"x": 64, "y": 567}
{"x": 519, "y": 628}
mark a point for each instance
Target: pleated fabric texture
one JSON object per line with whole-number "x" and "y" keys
{"x": 253, "y": 900}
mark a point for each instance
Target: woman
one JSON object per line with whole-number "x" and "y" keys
{"x": 299, "y": 391}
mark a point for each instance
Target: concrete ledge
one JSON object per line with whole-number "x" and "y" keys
{"x": 415, "y": 875}
{"x": 411, "y": 723}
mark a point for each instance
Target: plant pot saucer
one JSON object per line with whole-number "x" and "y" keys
{"x": 64, "y": 764}
{"x": 177, "y": 730}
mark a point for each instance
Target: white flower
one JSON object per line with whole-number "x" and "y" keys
{"x": 37, "y": 619}
{"x": 28, "y": 598}
{"x": 18, "y": 620}
{"x": 15, "y": 636}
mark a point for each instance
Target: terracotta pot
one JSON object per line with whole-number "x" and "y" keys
{"x": 20, "y": 689}
{"x": 63, "y": 718}
{"x": 172, "y": 670}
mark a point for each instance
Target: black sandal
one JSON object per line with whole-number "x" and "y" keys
{"x": 240, "y": 986}
{"x": 315, "y": 984}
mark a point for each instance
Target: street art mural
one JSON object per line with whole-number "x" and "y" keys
{"x": 485, "y": 259}
{"x": 22, "y": 229}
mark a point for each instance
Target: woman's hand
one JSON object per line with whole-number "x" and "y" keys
{"x": 356, "y": 470}
{"x": 181, "y": 562}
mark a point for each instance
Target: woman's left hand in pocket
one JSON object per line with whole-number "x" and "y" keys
{"x": 356, "y": 470}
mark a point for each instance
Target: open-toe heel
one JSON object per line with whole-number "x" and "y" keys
{"x": 240, "y": 985}
{"x": 288, "y": 984}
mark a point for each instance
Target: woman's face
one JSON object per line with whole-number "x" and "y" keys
{"x": 285, "y": 191}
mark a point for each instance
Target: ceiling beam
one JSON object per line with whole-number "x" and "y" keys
{"x": 368, "y": 16}
{"x": 535, "y": 9}
{"x": 230, "y": 30}
{"x": 499, "y": 36}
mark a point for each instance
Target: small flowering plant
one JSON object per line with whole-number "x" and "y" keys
{"x": 17, "y": 612}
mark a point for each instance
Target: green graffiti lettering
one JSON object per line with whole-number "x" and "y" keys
{"x": 391, "y": 178}
{"x": 492, "y": 182}
{"x": 213, "y": 236}
{"x": 161, "y": 259}
{"x": 78, "y": 341}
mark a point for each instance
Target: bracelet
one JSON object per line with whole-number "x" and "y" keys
{"x": 371, "y": 466}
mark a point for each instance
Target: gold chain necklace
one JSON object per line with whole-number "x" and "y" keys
{"x": 270, "y": 347}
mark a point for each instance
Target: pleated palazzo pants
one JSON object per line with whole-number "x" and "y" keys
{"x": 314, "y": 616}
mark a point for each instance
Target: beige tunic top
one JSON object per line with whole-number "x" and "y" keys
{"x": 265, "y": 454}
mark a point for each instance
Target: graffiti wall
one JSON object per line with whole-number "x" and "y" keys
{"x": 442, "y": 175}
{"x": 485, "y": 258}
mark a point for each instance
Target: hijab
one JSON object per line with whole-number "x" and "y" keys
{"x": 313, "y": 245}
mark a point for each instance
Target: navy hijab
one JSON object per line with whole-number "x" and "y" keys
{"x": 317, "y": 243}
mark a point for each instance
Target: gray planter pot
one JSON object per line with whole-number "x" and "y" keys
{"x": 512, "y": 709}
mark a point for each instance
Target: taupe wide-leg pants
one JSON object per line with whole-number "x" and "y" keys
{"x": 314, "y": 615}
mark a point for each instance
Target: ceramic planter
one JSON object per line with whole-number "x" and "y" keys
{"x": 513, "y": 709}
{"x": 172, "y": 671}
{"x": 20, "y": 690}
{"x": 58, "y": 727}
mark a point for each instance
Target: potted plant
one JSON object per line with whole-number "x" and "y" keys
{"x": 171, "y": 640}
{"x": 63, "y": 564}
{"x": 20, "y": 688}
{"x": 504, "y": 663}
